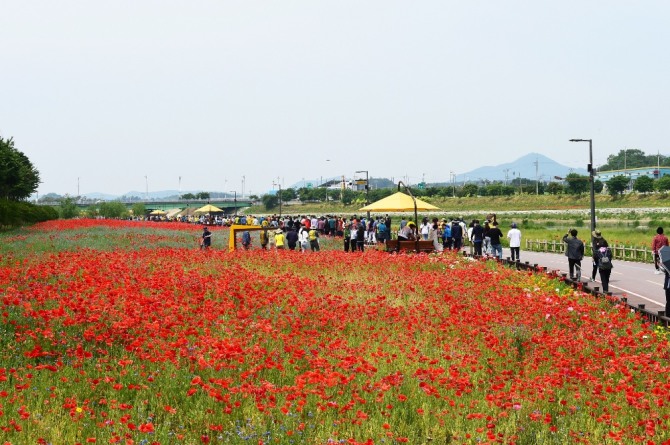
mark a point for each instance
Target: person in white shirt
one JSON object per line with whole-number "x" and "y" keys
{"x": 514, "y": 236}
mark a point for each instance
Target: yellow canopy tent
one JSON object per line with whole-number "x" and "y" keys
{"x": 208, "y": 209}
{"x": 172, "y": 213}
{"x": 399, "y": 202}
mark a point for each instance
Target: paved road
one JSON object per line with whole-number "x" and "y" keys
{"x": 636, "y": 281}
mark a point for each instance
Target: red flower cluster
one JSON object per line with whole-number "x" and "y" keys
{"x": 167, "y": 345}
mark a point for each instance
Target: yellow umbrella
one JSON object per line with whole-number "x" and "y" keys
{"x": 399, "y": 202}
{"x": 157, "y": 212}
{"x": 208, "y": 209}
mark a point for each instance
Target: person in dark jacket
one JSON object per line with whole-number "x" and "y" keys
{"x": 496, "y": 245}
{"x": 477, "y": 237}
{"x": 291, "y": 238}
{"x": 457, "y": 235}
{"x": 604, "y": 262}
{"x": 574, "y": 252}
{"x": 596, "y": 243}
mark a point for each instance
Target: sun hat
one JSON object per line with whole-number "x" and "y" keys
{"x": 597, "y": 234}
{"x": 279, "y": 231}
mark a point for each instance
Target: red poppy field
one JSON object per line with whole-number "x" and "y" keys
{"x": 119, "y": 332}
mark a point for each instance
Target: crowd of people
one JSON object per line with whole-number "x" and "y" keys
{"x": 304, "y": 232}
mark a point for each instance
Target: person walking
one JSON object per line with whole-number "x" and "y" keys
{"x": 659, "y": 241}
{"x": 496, "y": 245}
{"x": 291, "y": 238}
{"x": 303, "y": 238}
{"x": 434, "y": 235}
{"x": 246, "y": 240}
{"x": 446, "y": 235}
{"x": 347, "y": 235}
{"x": 604, "y": 261}
{"x": 279, "y": 239}
{"x": 597, "y": 242}
{"x": 206, "y": 238}
{"x": 477, "y": 237}
{"x": 575, "y": 253}
{"x": 313, "y": 236}
{"x": 360, "y": 237}
{"x": 514, "y": 237}
{"x": 457, "y": 235}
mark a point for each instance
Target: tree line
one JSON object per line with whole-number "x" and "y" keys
{"x": 18, "y": 180}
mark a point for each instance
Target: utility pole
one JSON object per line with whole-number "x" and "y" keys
{"x": 278, "y": 184}
{"x": 537, "y": 179}
{"x": 243, "y": 178}
{"x": 506, "y": 175}
{"x": 146, "y": 193}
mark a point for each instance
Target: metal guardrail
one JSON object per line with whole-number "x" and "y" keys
{"x": 619, "y": 251}
{"x": 658, "y": 318}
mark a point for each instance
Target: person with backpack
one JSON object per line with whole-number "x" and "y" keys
{"x": 604, "y": 258}
{"x": 597, "y": 242}
{"x": 314, "y": 239}
{"x": 246, "y": 240}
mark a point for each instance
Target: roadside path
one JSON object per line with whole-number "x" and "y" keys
{"x": 636, "y": 281}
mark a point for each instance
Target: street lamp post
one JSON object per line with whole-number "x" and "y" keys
{"x": 235, "y": 200}
{"x": 591, "y": 180}
{"x": 367, "y": 190}
{"x": 279, "y": 195}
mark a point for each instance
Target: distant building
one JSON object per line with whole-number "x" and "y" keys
{"x": 634, "y": 173}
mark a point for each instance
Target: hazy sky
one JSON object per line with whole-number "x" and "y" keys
{"x": 111, "y": 92}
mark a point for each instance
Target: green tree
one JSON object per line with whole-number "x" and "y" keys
{"x": 576, "y": 184}
{"x": 348, "y": 196}
{"x": 187, "y": 196}
{"x": 202, "y": 195}
{"x": 113, "y": 209}
{"x": 469, "y": 190}
{"x": 18, "y": 177}
{"x": 598, "y": 186}
{"x": 663, "y": 183}
{"x": 555, "y": 188}
{"x": 631, "y": 158}
{"x": 139, "y": 209}
{"x": 68, "y": 208}
{"x": 270, "y": 201}
{"x": 289, "y": 194}
{"x": 617, "y": 185}
{"x": 643, "y": 184}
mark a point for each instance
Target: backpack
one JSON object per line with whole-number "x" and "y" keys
{"x": 312, "y": 235}
{"x": 604, "y": 261}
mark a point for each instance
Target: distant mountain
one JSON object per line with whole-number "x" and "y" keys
{"x": 525, "y": 167}
{"x": 100, "y": 196}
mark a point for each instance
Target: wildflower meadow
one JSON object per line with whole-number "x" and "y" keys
{"x": 125, "y": 332}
